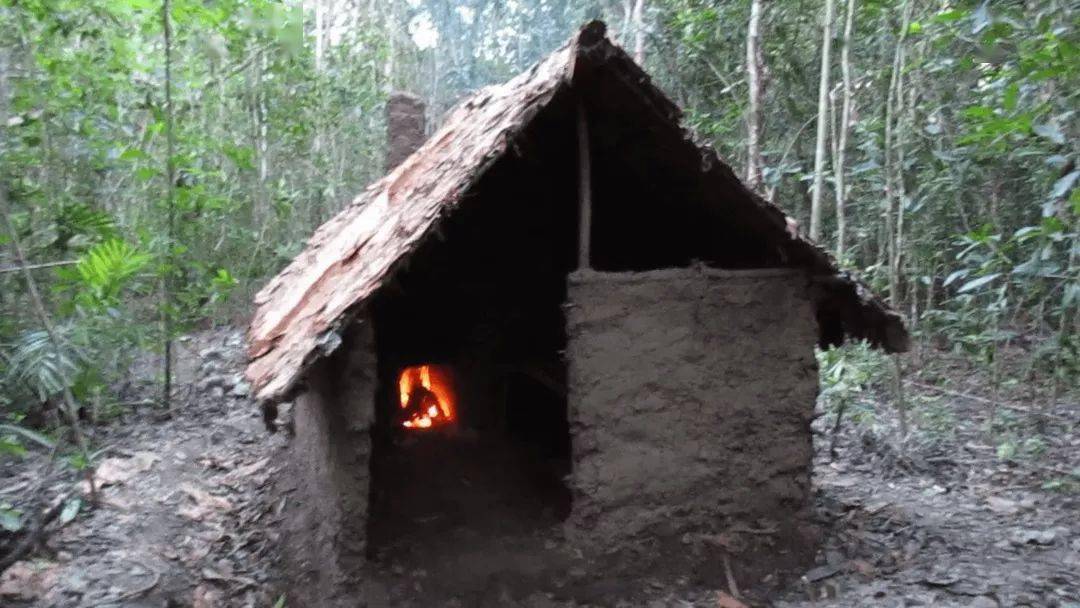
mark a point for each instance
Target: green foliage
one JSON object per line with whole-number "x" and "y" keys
{"x": 36, "y": 365}
{"x": 11, "y": 519}
{"x": 83, "y": 157}
{"x": 847, "y": 375}
{"x": 28, "y": 434}
{"x": 1066, "y": 484}
{"x": 102, "y": 273}
{"x": 1012, "y": 447}
{"x": 934, "y": 416}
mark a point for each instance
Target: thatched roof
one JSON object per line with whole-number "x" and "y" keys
{"x": 300, "y": 312}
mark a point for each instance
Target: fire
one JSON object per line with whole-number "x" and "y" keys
{"x": 426, "y": 397}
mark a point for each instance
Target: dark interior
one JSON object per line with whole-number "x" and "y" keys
{"x": 483, "y": 294}
{"x": 484, "y": 297}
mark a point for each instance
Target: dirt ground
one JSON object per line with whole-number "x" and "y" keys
{"x": 178, "y": 519}
{"x": 955, "y": 516}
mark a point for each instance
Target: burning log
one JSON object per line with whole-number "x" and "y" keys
{"x": 426, "y": 397}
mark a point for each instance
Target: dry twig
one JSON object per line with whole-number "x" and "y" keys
{"x": 732, "y": 586}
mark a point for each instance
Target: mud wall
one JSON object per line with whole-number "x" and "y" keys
{"x": 691, "y": 393}
{"x": 329, "y": 470}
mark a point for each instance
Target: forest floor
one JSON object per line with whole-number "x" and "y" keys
{"x": 955, "y": 516}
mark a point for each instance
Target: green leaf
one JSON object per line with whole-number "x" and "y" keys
{"x": 26, "y": 433}
{"x": 1027, "y": 232}
{"x": 977, "y": 283}
{"x": 1012, "y": 93}
{"x": 10, "y": 518}
{"x": 9, "y": 446}
{"x": 105, "y": 269}
{"x": 1072, "y": 293}
{"x": 1006, "y": 450}
{"x": 1050, "y": 132}
{"x": 78, "y": 461}
{"x": 71, "y": 509}
{"x": 950, "y": 15}
{"x": 223, "y": 279}
{"x": 145, "y": 174}
{"x": 44, "y": 367}
{"x": 959, "y": 274}
{"x": 133, "y": 154}
{"x": 1063, "y": 185}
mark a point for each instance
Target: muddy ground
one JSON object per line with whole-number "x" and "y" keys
{"x": 955, "y": 516}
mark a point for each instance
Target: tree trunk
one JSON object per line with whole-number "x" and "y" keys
{"x": 623, "y": 35}
{"x": 170, "y": 194}
{"x": 822, "y": 122}
{"x": 262, "y": 146}
{"x": 843, "y": 129}
{"x": 754, "y": 66}
{"x": 896, "y": 274}
{"x": 898, "y": 395}
{"x": 639, "y": 32}
{"x": 391, "y": 22}
{"x": 320, "y": 34}
{"x": 894, "y": 102}
{"x": 317, "y": 160}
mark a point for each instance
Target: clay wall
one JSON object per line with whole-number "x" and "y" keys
{"x": 329, "y": 469}
{"x": 691, "y": 393}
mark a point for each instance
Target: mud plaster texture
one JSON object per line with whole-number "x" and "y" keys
{"x": 691, "y": 393}
{"x": 329, "y": 471}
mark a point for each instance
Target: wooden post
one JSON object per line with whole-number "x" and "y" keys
{"x": 584, "y": 189}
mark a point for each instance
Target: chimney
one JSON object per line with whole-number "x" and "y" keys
{"x": 404, "y": 127}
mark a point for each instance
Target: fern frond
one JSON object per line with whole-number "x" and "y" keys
{"x": 106, "y": 267}
{"x": 37, "y": 364}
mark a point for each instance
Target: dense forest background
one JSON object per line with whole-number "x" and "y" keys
{"x": 161, "y": 159}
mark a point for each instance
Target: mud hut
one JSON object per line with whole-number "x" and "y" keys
{"x": 559, "y": 327}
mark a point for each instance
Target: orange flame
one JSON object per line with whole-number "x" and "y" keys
{"x": 426, "y": 396}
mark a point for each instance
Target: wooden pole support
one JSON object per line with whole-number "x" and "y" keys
{"x": 584, "y": 189}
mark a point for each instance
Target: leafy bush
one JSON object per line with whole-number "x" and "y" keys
{"x": 848, "y": 374}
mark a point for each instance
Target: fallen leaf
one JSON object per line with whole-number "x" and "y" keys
{"x": 723, "y": 600}
{"x": 206, "y": 597}
{"x": 251, "y": 469}
{"x": 111, "y": 499}
{"x": 823, "y": 572}
{"x": 877, "y": 507}
{"x": 864, "y": 568}
{"x": 28, "y": 580}
{"x": 941, "y": 578}
{"x": 212, "y": 575}
{"x": 724, "y": 541}
{"x": 112, "y": 471}
{"x": 1033, "y": 537}
{"x": 196, "y": 554}
{"x": 206, "y": 504}
{"x": 1003, "y": 505}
